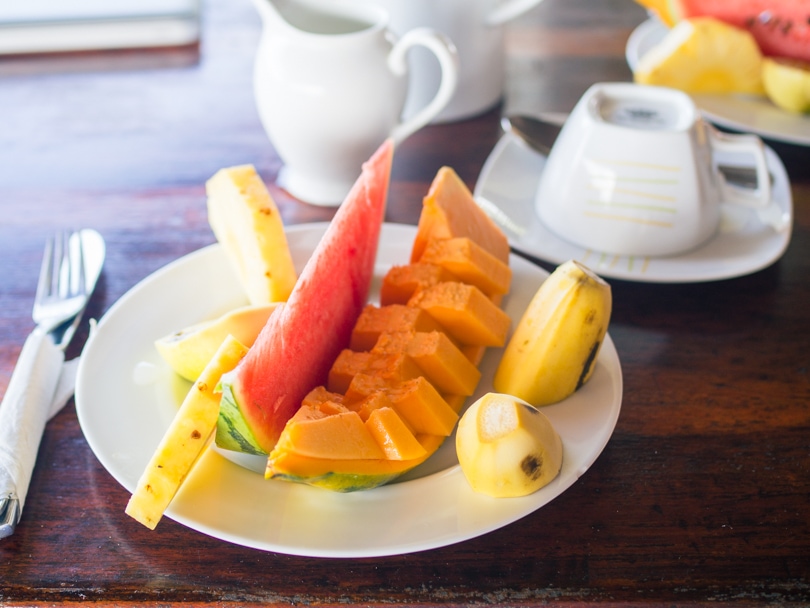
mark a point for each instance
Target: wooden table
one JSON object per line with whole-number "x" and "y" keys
{"x": 700, "y": 496}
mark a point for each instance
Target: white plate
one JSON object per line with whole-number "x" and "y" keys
{"x": 506, "y": 190}
{"x": 741, "y": 113}
{"x": 124, "y": 410}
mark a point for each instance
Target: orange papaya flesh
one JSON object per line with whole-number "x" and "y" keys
{"x": 465, "y": 313}
{"x": 470, "y": 263}
{"x": 396, "y": 367}
{"x": 449, "y": 210}
{"x": 439, "y": 359}
{"x": 394, "y": 436}
{"x": 401, "y": 282}
{"x": 374, "y": 320}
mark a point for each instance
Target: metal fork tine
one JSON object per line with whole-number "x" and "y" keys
{"x": 63, "y": 274}
{"x": 82, "y": 278}
{"x": 46, "y": 271}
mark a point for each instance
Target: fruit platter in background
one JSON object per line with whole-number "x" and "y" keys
{"x": 751, "y": 47}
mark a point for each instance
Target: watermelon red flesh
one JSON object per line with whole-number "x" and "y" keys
{"x": 780, "y": 27}
{"x": 301, "y": 340}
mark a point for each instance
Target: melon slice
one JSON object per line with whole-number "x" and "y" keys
{"x": 295, "y": 349}
{"x": 781, "y": 28}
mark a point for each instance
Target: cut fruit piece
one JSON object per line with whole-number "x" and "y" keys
{"x": 401, "y": 282}
{"x": 554, "y": 348}
{"x": 704, "y": 55}
{"x": 393, "y": 435}
{"x": 787, "y": 84}
{"x": 188, "y": 351}
{"x": 249, "y": 227}
{"x": 470, "y": 263}
{"x": 422, "y": 408}
{"x": 393, "y": 318}
{"x": 438, "y": 358}
{"x": 184, "y": 440}
{"x": 506, "y": 447}
{"x": 390, "y": 367}
{"x": 465, "y": 313}
{"x": 342, "y": 436}
{"x": 344, "y": 475}
{"x": 449, "y": 210}
{"x": 301, "y": 340}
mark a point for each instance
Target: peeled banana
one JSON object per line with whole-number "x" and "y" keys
{"x": 506, "y": 447}
{"x": 555, "y": 345}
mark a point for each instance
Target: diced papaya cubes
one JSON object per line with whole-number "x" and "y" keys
{"x": 471, "y": 263}
{"x": 401, "y": 282}
{"x": 443, "y": 363}
{"x": 375, "y": 320}
{"x": 421, "y": 406}
{"x": 465, "y": 313}
{"x": 394, "y": 367}
{"x": 394, "y": 437}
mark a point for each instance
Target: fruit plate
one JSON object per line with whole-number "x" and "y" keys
{"x": 126, "y": 397}
{"x": 749, "y": 114}
{"x": 506, "y": 190}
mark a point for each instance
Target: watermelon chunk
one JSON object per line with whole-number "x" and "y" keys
{"x": 781, "y": 28}
{"x": 299, "y": 343}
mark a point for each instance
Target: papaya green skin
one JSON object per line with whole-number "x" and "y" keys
{"x": 340, "y": 482}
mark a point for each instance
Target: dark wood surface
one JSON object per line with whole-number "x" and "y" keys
{"x": 701, "y": 496}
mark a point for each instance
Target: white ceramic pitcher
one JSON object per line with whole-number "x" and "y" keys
{"x": 330, "y": 82}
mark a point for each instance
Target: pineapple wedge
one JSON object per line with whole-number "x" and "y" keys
{"x": 247, "y": 223}
{"x": 184, "y": 440}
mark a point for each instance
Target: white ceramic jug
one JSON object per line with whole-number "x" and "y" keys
{"x": 330, "y": 82}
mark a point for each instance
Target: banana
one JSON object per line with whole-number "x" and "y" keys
{"x": 554, "y": 348}
{"x": 507, "y": 447}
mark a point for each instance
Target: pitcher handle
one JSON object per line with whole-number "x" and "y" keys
{"x": 445, "y": 51}
{"x": 509, "y": 10}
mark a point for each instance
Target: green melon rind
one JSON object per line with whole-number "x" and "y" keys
{"x": 233, "y": 432}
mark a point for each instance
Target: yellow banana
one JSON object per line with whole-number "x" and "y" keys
{"x": 554, "y": 348}
{"x": 507, "y": 447}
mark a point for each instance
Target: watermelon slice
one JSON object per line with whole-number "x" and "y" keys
{"x": 296, "y": 348}
{"x": 780, "y": 27}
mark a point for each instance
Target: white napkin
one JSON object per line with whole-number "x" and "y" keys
{"x": 40, "y": 386}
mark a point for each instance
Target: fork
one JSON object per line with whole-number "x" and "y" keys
{"x": 62, "y": 293}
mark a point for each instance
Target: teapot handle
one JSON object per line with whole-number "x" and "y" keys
{"x": 509, "y": 10}
{"x": 445, "y": 51}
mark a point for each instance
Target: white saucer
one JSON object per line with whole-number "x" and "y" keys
{"x": 506, "y": 189}
{"x": 750, "y": 114}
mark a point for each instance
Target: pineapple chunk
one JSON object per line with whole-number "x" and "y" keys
{"x": 247, "y": 223}
{"x": 184, "y": 440}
